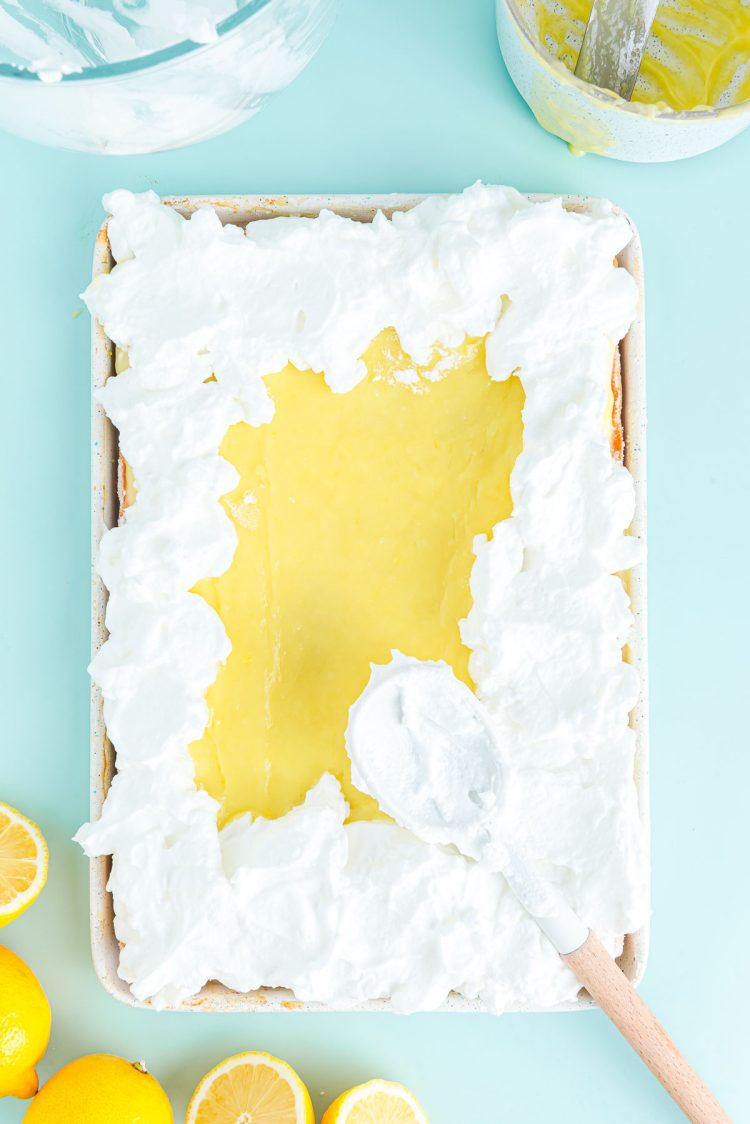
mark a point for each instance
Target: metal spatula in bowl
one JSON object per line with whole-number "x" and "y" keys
{"x": 614, "y": 42}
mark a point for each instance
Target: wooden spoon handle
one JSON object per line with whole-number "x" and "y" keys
{"x": 617, "y": 997}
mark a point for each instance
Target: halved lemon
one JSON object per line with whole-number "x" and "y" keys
{"x": 23, "y": 863}
{"x": 251, "y": 1088}
{"x": 377, "y": 1102}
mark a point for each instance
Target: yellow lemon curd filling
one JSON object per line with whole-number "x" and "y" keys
{"x": 355, "y": 515}
{"x": 698, "y": 53}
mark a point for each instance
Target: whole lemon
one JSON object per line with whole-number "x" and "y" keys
{"x": 25, "y": 1021}
{"x": 100, "y": 1089}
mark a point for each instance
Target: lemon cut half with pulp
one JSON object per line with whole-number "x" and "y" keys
{"x": 251, "y": 1088}
{"x": 377, "y": 1102}
{"x": 23, "y": 863}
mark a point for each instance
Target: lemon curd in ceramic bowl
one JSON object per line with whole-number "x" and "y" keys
{"x": 692, "y": 93}
{"x": 119, "y": 78}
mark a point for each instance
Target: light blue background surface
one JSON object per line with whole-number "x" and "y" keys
{"x": 407, "y": 95}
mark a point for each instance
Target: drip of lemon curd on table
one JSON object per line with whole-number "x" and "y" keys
{"x": 356, "y": 515}
{"x": 698, "y": 53}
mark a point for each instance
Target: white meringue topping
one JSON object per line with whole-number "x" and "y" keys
{"x": 346, "y": 912}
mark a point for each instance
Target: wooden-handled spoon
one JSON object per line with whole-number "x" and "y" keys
{"x": 455, "y": 797}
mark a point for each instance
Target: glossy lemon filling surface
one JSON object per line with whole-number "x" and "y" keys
{"x": 698, "y": 53}
{"x": 355, "y": 514}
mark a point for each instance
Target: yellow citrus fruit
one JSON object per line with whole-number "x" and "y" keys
{"x": 23, "y": 863}
{"x": 100, "y": 1089}
{"x": 251, "y": 1087}
{"x": 377, "y": 1102}
{"x": 25, "y": 1021}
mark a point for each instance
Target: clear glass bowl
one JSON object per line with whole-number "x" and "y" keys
{"x": 172, "y": 97}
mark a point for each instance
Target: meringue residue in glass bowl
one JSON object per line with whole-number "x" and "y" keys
{"x": 130, "y": 76}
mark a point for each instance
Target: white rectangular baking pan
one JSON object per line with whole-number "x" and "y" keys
{"x": 241, "y": 209}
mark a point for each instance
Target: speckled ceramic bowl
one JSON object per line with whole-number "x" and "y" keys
{"x": 595, "y": 120}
